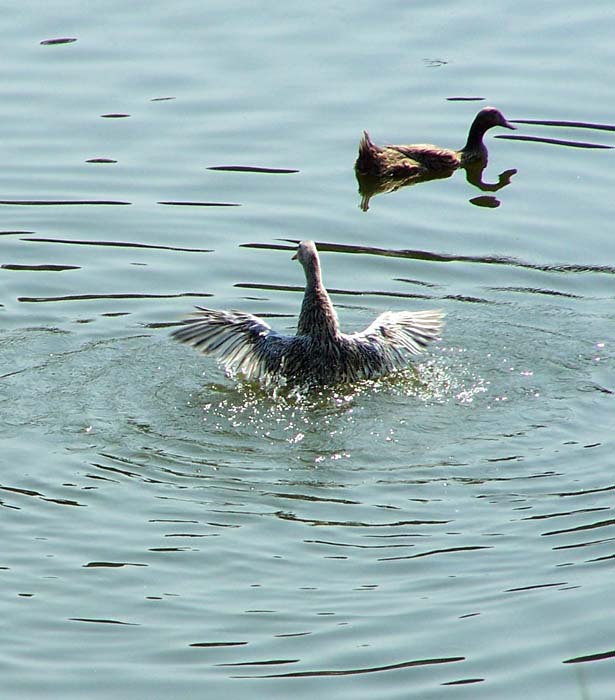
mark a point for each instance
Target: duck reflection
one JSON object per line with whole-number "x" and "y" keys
{"x": 372, "y": 185}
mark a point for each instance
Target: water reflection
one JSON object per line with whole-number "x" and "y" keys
{"x": 555, "y": 142}
{"x": 38, "y": 495}
{"x": 562, "y": 124}
{"x": 599, "y": 656}
{"x": 252, "y": 169}
{"x": 474, "y": 175}
{"x": 353, "y": 671}
{"x": 103, "y": 621}
{"x": 112, "y": 244}
{"x": 485, "y": 201}
{"x": 39, "y": 268}
{"x": 567, "y": 124}
{"x": 90, "y": 297}
{"x": 372, "y": 185}
{"x": 62, "y": 202}
{"x": 58, "y": 41}
{"x": 200, "y": 204}
{"x": 431, "y": 256}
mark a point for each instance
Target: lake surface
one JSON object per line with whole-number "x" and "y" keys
{"x": 170, "y": 533}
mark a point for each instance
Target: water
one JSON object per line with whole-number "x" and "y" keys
{"x": 170, "y": 533}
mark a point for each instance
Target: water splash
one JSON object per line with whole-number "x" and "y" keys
{"x": 337, "y": 423}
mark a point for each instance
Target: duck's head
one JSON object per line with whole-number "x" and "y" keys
{"x": 306, "y": 253}
{"x": 490, "y": 116}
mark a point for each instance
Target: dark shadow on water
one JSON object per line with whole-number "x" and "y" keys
{"x": 42, "y": 268}
{"x": 598, "y": 656}
{"x": 58, "y": 41}
{"x": 555, "y": 142}
{"x": 102, "y": 621}
{"x": 356, "y": 671}
{"x": 568, "y": 124}
{"x": 430, "y": 256}
{"x": 110, "y": 564}
{"x": 331, "y": 290}
{"x": 62, "y": 202}
{"x": 364, "y": 292}
{"x": 115, "y": 244}
{"x": 201, "y": 204}
{"x": 37, "y": 494}
{"x": 534, "y": 290}
{"x": 209, "y": 645}
{"x": 264, "y": 662}
{"x": 90, "y": 297}
{"x": 429, "y": 553}
{"x": 561, "y": 124}
{"x": 252, "y": 169}
{"x": 485, "y": 201}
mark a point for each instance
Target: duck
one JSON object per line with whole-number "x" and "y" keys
{"x": 417, "y": 159}
{"x": 319, "y": 354}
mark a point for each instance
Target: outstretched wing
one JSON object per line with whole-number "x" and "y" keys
{"x": 244, "y": 344}
{"x": 395, "y": 331}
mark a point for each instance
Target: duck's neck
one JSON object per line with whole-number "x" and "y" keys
{"x": 475, "y": 144}
{"x": 317, "y": 318}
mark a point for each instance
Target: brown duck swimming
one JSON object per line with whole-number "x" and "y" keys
{"x": 416, "y": 159}
{"x": 319, "y": 354}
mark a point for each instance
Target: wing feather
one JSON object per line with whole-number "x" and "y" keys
{"x": 427, "y": 155}
{"x": 395, "y": 332}
{"x": 241, "y": 342}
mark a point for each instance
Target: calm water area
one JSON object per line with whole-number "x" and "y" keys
{"x": 170, "y": 533}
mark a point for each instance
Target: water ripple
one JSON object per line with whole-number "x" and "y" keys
{"x": 198, "y": 204}
{"x": 116, "y": 244}
{"x": 58, "y": 41}
{"x": 89, "y": 297}
{"x": 252, "y": 169}
{"x": 369, "y": 669}
{"x": 429, "y": 256}
{"x": 555, "y": 142}
{"x": 62, "y": 202}
{"x": 599, "y": 656}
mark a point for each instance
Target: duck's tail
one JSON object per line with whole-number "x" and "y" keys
{"x": 366, "y": 142}
{"x": 368, "y": 152}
